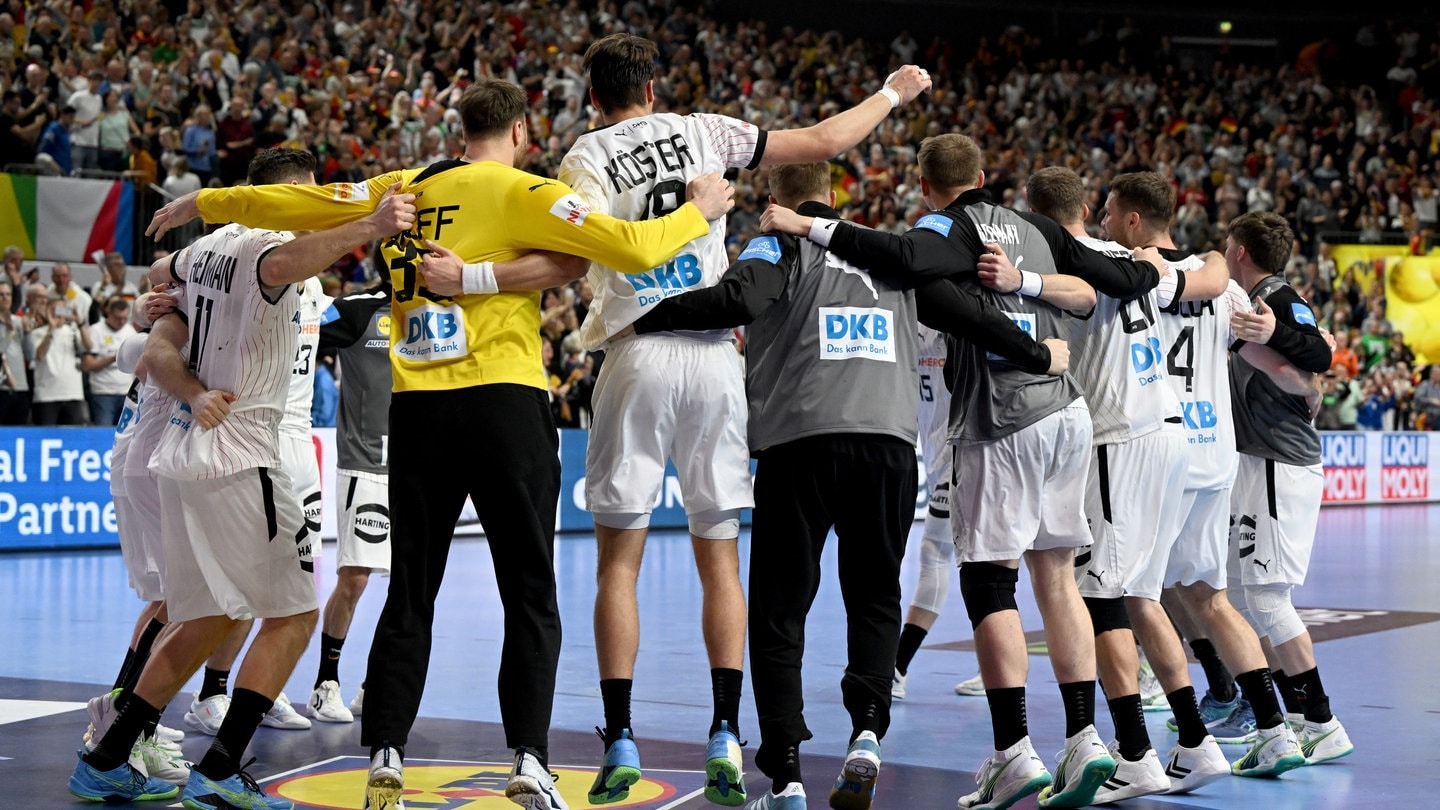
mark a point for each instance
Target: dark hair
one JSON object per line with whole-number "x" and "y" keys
{"x": 1149, "y": 195}
{"x": 489, "y": 107}
{"x": 1266, "y": 236}
{"x": 1058, "y": 193}
{"x": 275, "y": 166}
{"x": 794, "y": 183}
{"x": 619, "y": 66}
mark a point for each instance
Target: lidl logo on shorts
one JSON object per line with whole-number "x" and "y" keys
{"x": 676, "y": 276}
{"x": 572, "y": 209}
{"x": 1302, "y": 313}
{"x": 432, "y": 333}
{"x": 1343, "y": 455}
{"x": 939, "y": 223}
{"x": 856, "y": 332}
{"x": 1405, "y": 466}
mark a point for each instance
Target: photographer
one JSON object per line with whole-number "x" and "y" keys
{"x": 1379, "y": 401}
{"x": 1340, "y": 401}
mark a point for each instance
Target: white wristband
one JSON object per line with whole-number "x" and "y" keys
{"x": 894, "y": 97}
{"x": 821, "y": 230}
{"x": 479, "y": 279}
{"x": 1031, "y": 284}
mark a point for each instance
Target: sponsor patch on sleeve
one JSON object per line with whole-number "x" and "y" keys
{"x": 1302, "y": 314}
{"x": 572, "y": 209}
{"x": 352, "y": 191}
{"x": 936, "y": 222}
{"x": 762, "y": 247}
{"x": 330, "y": 315}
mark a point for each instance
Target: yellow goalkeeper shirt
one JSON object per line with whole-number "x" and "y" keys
{"x": 483, "y": 211}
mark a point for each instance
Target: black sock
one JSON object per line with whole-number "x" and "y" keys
{"x": 246, "y": 710}
{"x": 782, "y": 770}
{"x": 329, "y": 659}
{"x": 1007, "y": 715}
{"x": 911, "y": 637}
{"x": 114, "y": 747}
{"x": 1187, "y": 716}
{"x": 1129, "y": 721}
{"x": 124, "y": 673}
{"x": 1310, "y": 695}
{"x": 540, "y": 752}
{"x": 216, "y": 682}
{"x": 615, "y": 695}
{"x": 725, "y": 689}
{"x": 1287, "y": 692}
{"x": 375, "y": 749}
{"x": 136, "y": 659}
{"x": 1260, "y": 691}
{"x": 1079, "y": 700}
{"x": 1221, "y": 683}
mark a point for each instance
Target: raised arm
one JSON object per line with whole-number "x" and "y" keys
{"x": 277, "y": 207}
{"x": 839, "y": 132}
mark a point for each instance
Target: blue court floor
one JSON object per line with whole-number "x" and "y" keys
{"x": 1372, "y": 603}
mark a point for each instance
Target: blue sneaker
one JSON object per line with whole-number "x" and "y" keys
{"x": 239, "y": 792}
{"x": 620, "y": 770}
{"x": 724, "y": 768}
{"x": 122, "y": 784}
{"x": 854, "y": 788}
{"x": 1212, "y": 711}
{"x": 791, "y": 798}
{"x": 1238, "y": 728}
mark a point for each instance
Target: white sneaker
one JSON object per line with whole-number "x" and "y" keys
{"x": 1189, "y": 768}
{"x": 101, "y": 711}
{"x": 533, "y": 787}
{"x": 167, "y": 734}
{"x": 205, "y": 716}
{"x": 1083, "y": 766}
{"x": 854, "y": 788}
{"x": 326, "y": 706}
{"x": 359, "y": 702}
{"x": 1275, "y": 751}
{"x": 157, "y": 760}
{"x": 1007, "y": 777}
{"x": 1152, "y": 694}
{"x": 791, "y": 798}
{"x": 897, "y": 685}
{"x": 386, "y": 781}
{"x": 1139, "y": 778}
{"x": 1322, "y": 742}
{"x": 974, "y": 687}
{"x": 283, "y": 715}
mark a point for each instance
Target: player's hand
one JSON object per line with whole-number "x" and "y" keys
{"x": 173, "y": 214}
{"x": 211, "y": 407}
{"x": 1329, "y": 338}
{"x": 442, "y": 270}
{"x": 1059, "y": 356}
{"x": 1151, "y": 255}
{"x": 780, "y": 219}
{"x": 712, "y": 194}
{"x": 564, "y": 267}
{"x": 395, "y": 213}
{"x": 909, "y": 81}
{"x": 996, "y": 271}
{"x": 1257, "y": 326}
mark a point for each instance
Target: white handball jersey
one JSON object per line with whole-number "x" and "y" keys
{"x": 125, "y": 428}
{"x": 1198, "y": 341}
{"x": 241, "y": 342}
{"x": 1119, "y": 360}
{"x": 934, "y": 396}
{"x": 638, "y": 169}
{"x": 313, "y": 303}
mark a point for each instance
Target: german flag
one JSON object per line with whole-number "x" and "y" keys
{"x": 1176, "y": 127}
{"x": 1229, "y": 124}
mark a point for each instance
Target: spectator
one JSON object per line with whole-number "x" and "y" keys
{"x": 113, "y": 282}
{"x": 56, "y": 341}
{"x": 140, "y": 167}
{"x": 108, "y": 384}
{"x": 17, "y": 139}
{"x": 1344, "y": 355}
{"x": 1427, "y": 401}
{"x": 14, "y": 361}
{"x": 85, "y": 137}
{"x": 73, "y": 300}
{"x": 54, "y": 146}
{"x": 198, "y": 141}
{"x": 1378, "y": 406}
{"x": 116, "y": 127}
{"x": 235, "y": 136}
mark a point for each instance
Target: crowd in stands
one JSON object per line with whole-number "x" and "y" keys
{"x": 1340, "y": 136}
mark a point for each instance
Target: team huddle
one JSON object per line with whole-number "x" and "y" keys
{"x": 1178, "y": 362}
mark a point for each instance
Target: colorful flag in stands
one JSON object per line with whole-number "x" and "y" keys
{"x": 1229, "y": 124}
{"x": 842, "y": 182}
{"x": 66, "y": 218}
{"x": 1176, "y": 127}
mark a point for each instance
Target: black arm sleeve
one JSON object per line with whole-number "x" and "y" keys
{"x": 917, "y": 255}
{"x": 1122, "y": 279}
{"x": 961, "y": 310}
{"x": 1300, "y": 343}
{"x": 747, "y": 289}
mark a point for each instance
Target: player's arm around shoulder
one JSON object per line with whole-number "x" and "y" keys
{"x": 311, "y": 253}
{"x": 1208, "y": 281}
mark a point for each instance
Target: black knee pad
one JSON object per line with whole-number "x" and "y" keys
{"x": 987, "y": 588}
{"x": 1107, "y": 614}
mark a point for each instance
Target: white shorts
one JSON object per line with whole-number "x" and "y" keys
{"x": 1024, "y": 492}
{"x": 230, "y": 547}
{"x": 1274, "y": 510}
{"x": 142, "y": 562}
{"x": 363, "y": 501}
{"x": 660, "y": 397}
{"x": 1200, "y": 551}
{"x": 297, "y": 456}
{"x": 1133, "y": 505}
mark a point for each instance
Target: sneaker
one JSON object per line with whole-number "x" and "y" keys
{"x": 1141, "y": 777}
{"x": 283, "y": 715}
{"x": 160, "y": 760}
{"x": 359, "y": 702}
{"x": 1006, "y": 777}
{"x": 122, "y": 784}
{"x": 1083, "y": 766}
{"x": 386, "y": 781}
{"x": 854, "y": 788}
{"x": 618, "y": 772}
{"x": 973, "y": 687}
{"x": 239, "y": 792}
{"x": 724, "y": 768}
{"x": 897, "y": 685}
{"x": 1212, "y": 711}
{"x": 1152, "y": 694}
{"x": 532, "y": 786}
{"x": 1238, "y": 728}
{"x": 101, "y": 711}
{"x": 326, "y": 706}
{"x": 1321, "y": 742}
{"x": 206, "y": 716}
{"x": 170, "y": 735}
{"x": 791, "y": 798}
{"x": 1191, "y": 768}
{"x": 1276, "y": 750}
